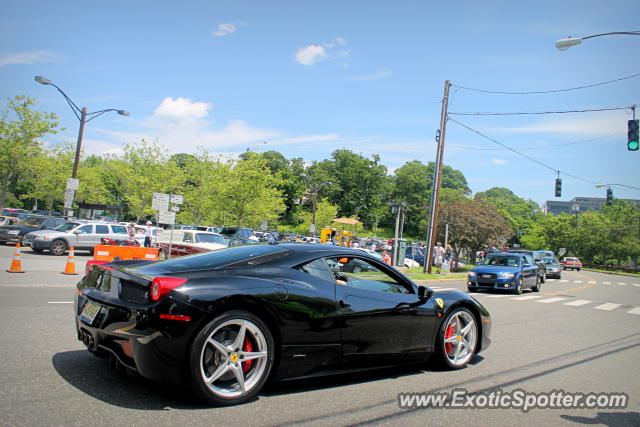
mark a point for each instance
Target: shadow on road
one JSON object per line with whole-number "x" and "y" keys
{"x": 96, "y": 378}
{"x": 607, "y": 419}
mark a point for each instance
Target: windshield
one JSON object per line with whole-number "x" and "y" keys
{"x": 33, "y": 221}
{"x": 509, "y": 261}
{"x": 571, "y": 259}
{"x": 550, "y": 261}
{"x": 66, "y": 226}
{"x": 228, "y": 231}
{"x": 210, "y": 238}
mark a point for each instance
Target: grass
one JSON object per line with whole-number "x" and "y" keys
{"x": 602, "y": 270}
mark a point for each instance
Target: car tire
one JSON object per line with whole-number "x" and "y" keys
{"x": 518, "y": 289}
{"x": 220, "y": 370}
{"x": 536, "y": 287}
{"x": 543, "y": 278}
{"x": 58, "y": 247}
{"x": 457, "y": 339}
{"x": 578, "y": 269}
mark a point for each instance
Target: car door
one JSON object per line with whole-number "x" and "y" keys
{"x": 380, "y": 312}
{"x": 102, "y": 230}
{"x": 529, "y": 270}
{"x": 83, "y": 236}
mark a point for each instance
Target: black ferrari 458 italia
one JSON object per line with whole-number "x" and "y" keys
{"x": 226, "y": 321}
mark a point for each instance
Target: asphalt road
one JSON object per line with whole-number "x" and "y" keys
{"x": 580, "y": 334}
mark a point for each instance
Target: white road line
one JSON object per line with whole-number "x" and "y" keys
{"x": 445, "y": 289}
{"x": 606, "y": 283}
{"x": 636, "y": 284}
{"x": 60, "y": 302}
{"x": 634, "y": 311}
{"x": 607, "y": 306}
{"x": 564, "y": 280}
{"x": 577, "y": 281}
{"x": 526, "y": 297}
{"x": 578, "y": 302}
{"x": 550, "y": 300}
{"x": 551, "y": 280}
{"x": 622, "y": 284}
{"x": 499, "y": 296}
{"x": 592, "y": 282}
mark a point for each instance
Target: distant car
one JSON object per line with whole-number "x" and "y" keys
{"x": 370, "y": 252}
{"x": 415, "y": 253}
{"x": 13, "y": 212}
{"x": 48, "y": 213}
{"x": 571, "y": 263}
{"x": 505, "y": 271}
{"x": 15, "y": 233}
{"x": 8, "y": 220}
{"x": 79, "y": 235}
{"x": 553, "y": 267}
{"x": 187, "y": 242}
{"x": 237, "y": 232}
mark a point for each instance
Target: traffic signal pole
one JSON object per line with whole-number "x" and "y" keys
{"x": 437, "y": 177}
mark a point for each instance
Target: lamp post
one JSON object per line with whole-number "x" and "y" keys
{"x": 314, "y": 198}
{"x": 564, "y": 44}
{"x": 82, "y": 115}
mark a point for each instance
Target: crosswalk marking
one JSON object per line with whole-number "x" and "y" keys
{"x": 636, "y": 284}
{"x": 634, "y": 311}
{"x": 445, "y": 289}
{"x": 551, "y": 280}
{"x": 578, "y": 302}
{"x": 526, "y": 297}
{"x": 564, "y": 281}
{"x": 577, "y": 281}
{"x": 607, "y": 306}
{"x": 499, "y": 296}
{"x": 622, "y": 284}
{"x": 592, "y": 282}
{"x": 550, "y": 300}
{"x": 606, "y": 283}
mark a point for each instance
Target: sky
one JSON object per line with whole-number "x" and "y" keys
{"x": 306, "y": 78}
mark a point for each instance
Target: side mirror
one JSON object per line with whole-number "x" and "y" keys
{"x": 526, "y": 265}
{"x": 424, "y": 293}
{"x": 77, "y": 232}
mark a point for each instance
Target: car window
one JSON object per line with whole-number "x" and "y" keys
{"x": 102, "y": 229}
{"x": 528, "y": 259}
{"x": 86, "y": 229}
{"x": 363, "y": 274}
{"x": 507, "y": 261}
{"x": 32, "y": 221}
{"x": 318, "y": 268}
{"x": 209, "y": 238}
{"x": 119, "y": 229}
{"x": 66, "y": 226}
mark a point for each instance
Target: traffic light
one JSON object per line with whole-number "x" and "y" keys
{"x": 609, "y": 196}
{"x": 558, "y": 187}
{"x": 632, "y": 134}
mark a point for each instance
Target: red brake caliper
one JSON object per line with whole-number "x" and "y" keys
{"x": 247, "y": 348}
{"x": 448, "y": 334}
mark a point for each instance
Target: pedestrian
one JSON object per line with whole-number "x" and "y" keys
{"x": 148, "y": 233}
{"x": 438, "y": 256}
{"x": 385, "y": 257}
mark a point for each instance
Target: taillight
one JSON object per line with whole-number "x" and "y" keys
{"x": 160, "y": 286}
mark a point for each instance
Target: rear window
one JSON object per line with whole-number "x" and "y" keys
{"x": 240, "y": 256}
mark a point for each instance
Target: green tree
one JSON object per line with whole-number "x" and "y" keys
{"x": 19, "y": 138}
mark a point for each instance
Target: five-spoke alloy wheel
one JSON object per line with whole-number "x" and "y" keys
{"x": 458, "y": 339}
{"x": 231, "y": 358}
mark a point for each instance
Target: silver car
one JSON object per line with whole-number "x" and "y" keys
{"x": 552, "y": 267}
{"x": 83, "y": 236}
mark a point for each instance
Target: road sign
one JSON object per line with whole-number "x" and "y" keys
{"x": 168, "y": 218}
{"x": 160, "y": 202}
{"x": 177, "y": 199}
{"x": 562, "y": 251}
{"x": 312, "y": 228}
{"x": 73, "y": 183}
{"x": 69, "y": 195}
{"x": 263, "y": 225}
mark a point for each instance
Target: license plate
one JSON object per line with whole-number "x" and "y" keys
{"x": 90, "y": 311}
{"x": 486, "y": 276}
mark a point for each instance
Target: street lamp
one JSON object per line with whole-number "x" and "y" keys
{"x": 82, "y": 115}
{"x": 564, "y": 44}
{"x": 314, "y": 198}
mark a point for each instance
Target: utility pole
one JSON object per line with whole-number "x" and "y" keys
{"x": 437, "y": 176}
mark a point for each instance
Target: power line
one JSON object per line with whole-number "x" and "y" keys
{"x": 521, "y": 154}
{"x": 538, "y": 147}
{"x": 547, "y": 91}
{"x": 590, "y": 110}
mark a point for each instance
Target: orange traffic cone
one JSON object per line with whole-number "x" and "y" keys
{"x": 70, "y": 267}
{"x": 16, "y": 263}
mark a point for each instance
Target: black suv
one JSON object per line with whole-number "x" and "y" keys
{"x": 15, "y": 233}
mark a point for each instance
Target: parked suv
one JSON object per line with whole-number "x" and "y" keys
{"x": 15, "y": 233}
{"x": 83, "y": 236}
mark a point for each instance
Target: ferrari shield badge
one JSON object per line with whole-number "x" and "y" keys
{"x": 440, "y": 302}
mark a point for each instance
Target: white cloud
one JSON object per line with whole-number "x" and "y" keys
{"x": 226, "y": 28}
{"x": 29, "y": 57}
{"x": 497, "y": 161}
{"x": 590, "y": 124}
{"x": 182, "y": 110}
{"x": 310, "y": 54}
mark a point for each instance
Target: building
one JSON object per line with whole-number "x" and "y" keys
{"x": 557, "y": 207}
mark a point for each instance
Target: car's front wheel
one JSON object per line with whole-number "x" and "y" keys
{"x": 231, "y": 358}
{"x": 518, "y": 289}
{"x": 457, "y": 339}
{"x": 58, "y": 247}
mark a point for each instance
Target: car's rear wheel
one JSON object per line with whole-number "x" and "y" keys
{"x": 231, "y": 358}
{"x": 518, "y": 289}
{"x": 457, "y": 339}
{"x": 536, "y": 287}
{"x": 58, "y": 247}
